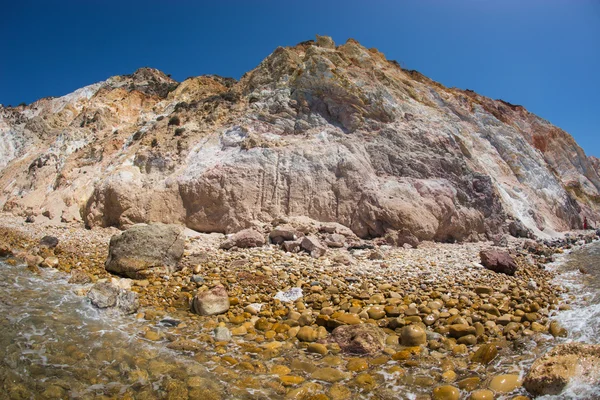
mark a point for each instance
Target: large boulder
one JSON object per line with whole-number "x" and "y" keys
{"x": 211, "y": 302}
{"x": 498, "y": 261}
{"x": 550, "y": 374}
{"x": 109, "y": 295}
{"x": 146, "y": 249}
{"x": 312, "y": 245}
{"x": 244, "y": 239}
{"x": 364, "y": 339}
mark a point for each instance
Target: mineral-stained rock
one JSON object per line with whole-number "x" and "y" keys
{"x": 359, "y": 338}
{"x": 552, "y": 372}
{"x": 211, "y": 302}
{"x": 145, "y": 249}
{"x": 335, "y": 133}
{"x": 498, "y": 261}
{"x": 244, "y": 239}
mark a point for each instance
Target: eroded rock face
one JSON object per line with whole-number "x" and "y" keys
{"x": 145, "y": 249}
{"x": 335, "y": 133}
{"x": 551, "y": 373}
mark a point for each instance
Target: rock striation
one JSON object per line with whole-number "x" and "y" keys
{"x": 335, "y": 133}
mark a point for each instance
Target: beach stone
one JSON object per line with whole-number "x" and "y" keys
{"x": 446, "y": 392}
{"x": 498, "y": 261}
{"x": 459, "y": 330}
{"x": 485, "y": 354}
{"x": 557, "y": 330}
{"x": 244, "y": 239}
{"x": 484, "y": 290}
{"x": 317, "y": 348}
{"x": 413, "y": 335}
{"x": 313, "y": 246}
{"x": 330, "y": 375}
{"x": 357, "y": 365}
{"x": 552, "y": 372}
{"x": 50, "y": 262}
{"x": 222, "y": 334}
{"x": 284, "y": 233}
{"x": 307, "y": 334}
{"x": 468, "y": 340}
{"x": 49, "y": 241}
{"x": 79, "y": 277}
{"x": 291, "y": 380}
{"x": 482, "y": 394}
{"x": 145, "y": 249}
{"x": 505, "y": 383}
{"x": 5, "y": 250}
{"x": 359, "y": 339}
{"x": 106, "y": 295}
{"x": 211, "y": 302}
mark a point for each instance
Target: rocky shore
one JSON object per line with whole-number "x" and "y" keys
{"x": 335, "y": 318}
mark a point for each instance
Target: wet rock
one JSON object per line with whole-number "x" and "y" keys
{"x": 244, "y": 239}
{"x": 459, "y": 330}
{"x": 107, "y": 295}
{"x": 552, "y": 372}
{"x": 413, "y": 335}
{"x": 482, "y": 394}
{"x": 485, "y": 354}
{"x": 49, "y": 241}
{"x": 505, "y": 383}
{"x": 222, "y": 334}
{"x": 446, "y": 392}
{"x": 498, "y": 261}
{"x": 557, "y": 330}
{"x": 359, "y": 339}
{"x": 79, "y": 277}
{"x": 330, "y": 375}
{"x": 313, "y": 246}
{"x": 145, "y": 249}
{"x": 307, "y": 334}
{"x": 211, "y": 302}
{"x": 50, "y": 262}
{"x": 5, "y": 250}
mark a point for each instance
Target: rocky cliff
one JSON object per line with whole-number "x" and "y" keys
{"x": 334, "y": 133}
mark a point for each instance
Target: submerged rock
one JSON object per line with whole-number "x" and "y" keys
{"x": 360, "y": 338}
{"x": 145, "y": 249}
{"x": 108, "y": 295}
{"x": 552, "y": 372}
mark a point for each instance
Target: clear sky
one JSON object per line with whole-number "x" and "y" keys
{"x": 542, "y": 54}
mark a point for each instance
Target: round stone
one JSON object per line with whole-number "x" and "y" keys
{"x": 413, "y": 335}
{"x": 446, "y": 392}
{"x": 505, "y": 383}
{"x": 482, "y": 394}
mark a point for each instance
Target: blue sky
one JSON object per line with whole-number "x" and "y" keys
{"x": 542, "y": 54}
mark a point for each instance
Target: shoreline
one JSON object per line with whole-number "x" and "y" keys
{"x": 436, "y": 285}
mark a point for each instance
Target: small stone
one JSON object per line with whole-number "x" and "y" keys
{"x": 153, "y": 335}
{"x": 357, "y": 365}
{"x": 307, "y": 334}
{"x": 460, "y": 330}
{"x": 222, "y": 334}
{"x": 317, "y": 348}
{"x": 557, "y": 330}
{"x": 485, "y": 354}
{"x": 413, "y": 335}
{"x": 291, "y": 380}
{"x": 468, "y": 340}
{"x": 446, "y": 392}
{"x": 482, "y": 394}
{"x": 505, "y": 383}
{"x": 211, "y": 302}
{"x": 330, "y": 375}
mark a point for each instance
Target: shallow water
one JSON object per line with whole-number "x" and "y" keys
{"x": 54, "y": 344}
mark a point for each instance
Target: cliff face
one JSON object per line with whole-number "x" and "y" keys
{"x": 333, "y": 133}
